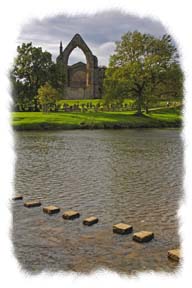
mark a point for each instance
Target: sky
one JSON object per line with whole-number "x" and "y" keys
{"x": 99, "y": 31}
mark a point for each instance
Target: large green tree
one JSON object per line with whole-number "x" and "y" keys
{"x": 58, "y": 78}
{"x": 140, "y": 68}
{"x": 32, "y": 68}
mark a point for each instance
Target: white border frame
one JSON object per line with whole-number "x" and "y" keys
{"x": 176, "y": 16}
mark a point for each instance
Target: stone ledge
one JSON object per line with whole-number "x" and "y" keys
{"x": 143, "y": 236}
{"x": 90, "y": 221}
{"x": 71, "y": 214}
{"x": 17, "y": 197}
{"x": 174, "y": 254}
{"x": 34, "y": 203}
{"x": 51, "y": 209}
{"x": 122, "y": 228}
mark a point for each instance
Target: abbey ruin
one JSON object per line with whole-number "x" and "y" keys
{"x": 83, "y": 80}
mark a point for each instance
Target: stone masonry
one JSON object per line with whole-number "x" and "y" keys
{"x": 83, "y": 81}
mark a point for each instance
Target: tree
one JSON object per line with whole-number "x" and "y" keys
{"x": 171, "y": 87}
{"x": 31, "y": 70}
{"x": 140, "y": 65}
{"x": 47, "y": 97}
{"x": 21, "y": 95}
{"x": 58, "y": 77}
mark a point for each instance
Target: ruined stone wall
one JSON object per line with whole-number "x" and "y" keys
{"x": 78, "y": 93}
{"x": 89, "y": 88}
{"x": 77, "y": 75}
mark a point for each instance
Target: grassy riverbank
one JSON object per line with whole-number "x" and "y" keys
{"x": 158, "y": 118}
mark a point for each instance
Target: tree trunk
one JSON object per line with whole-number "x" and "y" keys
{"x": 139, "y": 105}
{"x": 139, "y": 92}
{"x": 36, "y": 107}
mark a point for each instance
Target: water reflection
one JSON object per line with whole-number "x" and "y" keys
{"x": 134, "y": 176}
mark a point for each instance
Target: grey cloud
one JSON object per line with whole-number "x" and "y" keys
{"x": 97, "y": 30}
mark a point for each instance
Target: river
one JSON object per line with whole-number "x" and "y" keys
{"x": 131, "y": 176}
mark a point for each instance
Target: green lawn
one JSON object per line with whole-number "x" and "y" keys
{"x": 161, "y": 117}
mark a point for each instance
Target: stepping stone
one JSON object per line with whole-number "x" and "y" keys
{"x": 90, "y": 220}
{"x": 174, "y": 254}
{"x": 122, "y": 228}
{"x": 71, "y": 214}
{"x": 17, "y": 197}
{"x": 143, "y": 236}
{"x": 51, "y": 209}
{"x": 34, "y": 203}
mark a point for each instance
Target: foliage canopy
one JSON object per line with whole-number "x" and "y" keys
{"x": 47, "y": 97}
{"x": 143, "y": 67}
{"x": 32, "y": 69}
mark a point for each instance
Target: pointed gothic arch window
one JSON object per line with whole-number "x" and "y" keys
{"x": 77, "y": 55}
{"x": 90, "y": 69}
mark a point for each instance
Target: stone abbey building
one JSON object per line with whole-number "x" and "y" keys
{"x": 83, "y": 80}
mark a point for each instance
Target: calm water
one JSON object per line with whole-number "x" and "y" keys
{"x": 131, "y": 176}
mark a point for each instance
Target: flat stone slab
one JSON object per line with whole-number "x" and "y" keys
{"x": 71, "y": 214}
{"x": 90, "y": 221}
{"x": 143, "y": 236}
{"x": 174, "y": 254}
{"x": 51, "y": 209}
{"x": 34, "y": 203}
{"x": 122, "y": 228}
{"x": 17, "y": 197}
